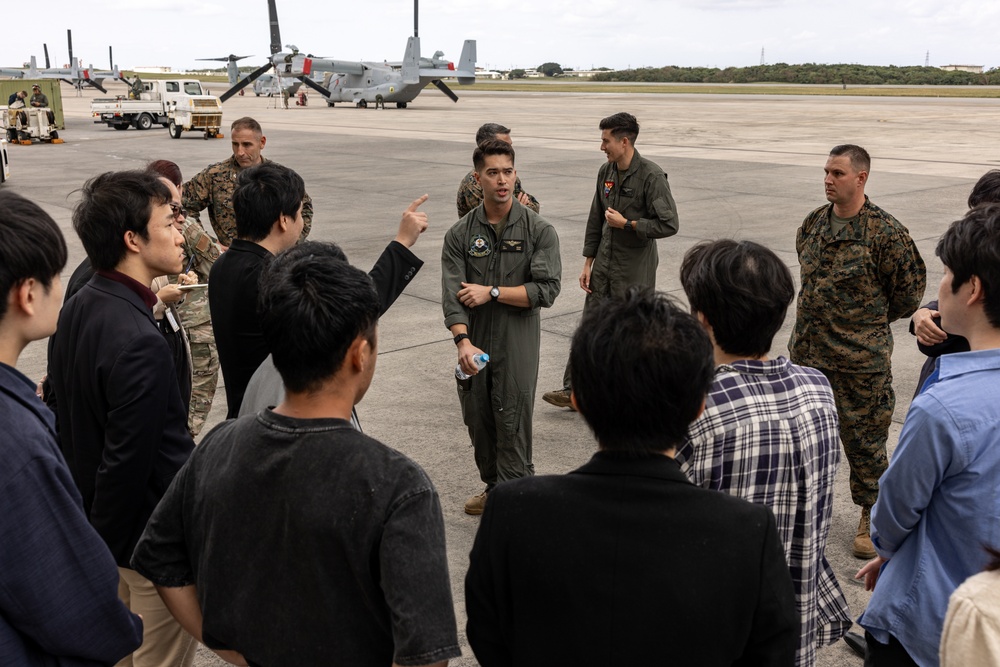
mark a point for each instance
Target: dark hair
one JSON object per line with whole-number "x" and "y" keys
{"x": 742, "y": 288}
{"x": 490, "y": 131}
{"x": 312, "y": 305}
{"x": 168, "y": 170}
{"x": 31, "y": 245}
{"x": 971, "y": 247}
{"x": 994, "y": 563}
{"x": 114, "y": 203}
{"x": 641, "y": 368}
{"x": 263, "y": 193}
{"x": 859, "y": 157}
{"x": 986, "y": 190}
{"x": 621, "y": 124}
{"x": 247, "y": 123}
{"x": 491, "y": 147}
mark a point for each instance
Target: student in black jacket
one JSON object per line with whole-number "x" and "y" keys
{"x": 122, "y": 424}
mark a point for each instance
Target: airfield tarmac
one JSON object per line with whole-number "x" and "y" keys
{"x": 747, "y": 166}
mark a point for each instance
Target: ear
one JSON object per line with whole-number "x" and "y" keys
{"x": 572, "y": 400}
{"x": 476, "y": 174}
{"x": 22, "y": 297}
{"x": 977, "y": 293}
{"x": 263, "y": 140}
{"x": 132, "y": 241}
{"x": 862, "y": 177}
{"x": 360, "y": 354}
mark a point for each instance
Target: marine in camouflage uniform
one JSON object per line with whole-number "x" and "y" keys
{"x": 213, "y": 189}
{"x": 197, "y": 321}
{"x": 855, "y": 282}
{"x": 470, "y": 195}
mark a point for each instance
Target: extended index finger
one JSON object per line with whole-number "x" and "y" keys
{"x": 416, "y": 203}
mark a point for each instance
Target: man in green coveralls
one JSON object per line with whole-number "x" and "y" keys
{"x": 500, "y": 266}
{"x": 860, "y": 272}
{"x": 631, "y": 209}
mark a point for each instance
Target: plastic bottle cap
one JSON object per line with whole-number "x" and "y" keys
{"x": 485, "y": 357}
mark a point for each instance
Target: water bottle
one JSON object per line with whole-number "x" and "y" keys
{"x": 480, "y": 360}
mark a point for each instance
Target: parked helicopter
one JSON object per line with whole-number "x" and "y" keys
{"x": 362, "y": 83}
{"x": 74, "y": 75}
{"x": 265, "y": 84}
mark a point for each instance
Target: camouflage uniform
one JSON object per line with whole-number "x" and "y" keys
{"x": 854, "y": 284}
{"x": 39, "y": 100}
{"x": 470, "y": 195}
{"x": 213, "y": 189}
{"x": 197, "y": 322}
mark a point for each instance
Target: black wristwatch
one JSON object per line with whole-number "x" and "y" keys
{"x": 495, "y": 293}
{"x": 460, "y": 337}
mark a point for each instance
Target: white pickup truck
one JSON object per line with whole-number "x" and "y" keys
{"x": 177, "y": 104}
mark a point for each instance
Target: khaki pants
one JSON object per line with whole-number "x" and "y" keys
{"x": 164, "y": 641}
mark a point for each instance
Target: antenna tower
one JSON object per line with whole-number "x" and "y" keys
{"x": 762, "y": 55}
{"x": 927, "y": 59}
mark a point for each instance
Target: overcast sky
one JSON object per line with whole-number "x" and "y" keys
{"x": 574, "y": 33}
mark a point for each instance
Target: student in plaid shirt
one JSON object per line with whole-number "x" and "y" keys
{"x": 769, "y": 430}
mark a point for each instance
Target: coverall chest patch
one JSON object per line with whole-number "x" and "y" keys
{"x": 608, "y": 186}
{"x": 480, "y": 246}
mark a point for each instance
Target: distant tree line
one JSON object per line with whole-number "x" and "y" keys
{"x": 808, "y": 73}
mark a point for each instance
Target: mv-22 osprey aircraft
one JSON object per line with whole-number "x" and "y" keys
{"x": 362, "y": 83}
{"x": 73, "y": 75}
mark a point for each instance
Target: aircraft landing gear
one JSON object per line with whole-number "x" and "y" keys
{"x": 362, "y": 104}
{"x": 329, "y": 104}
{"x": 400, "y": 105}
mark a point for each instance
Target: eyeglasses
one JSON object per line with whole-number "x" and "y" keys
{"x": 178, "y": 211}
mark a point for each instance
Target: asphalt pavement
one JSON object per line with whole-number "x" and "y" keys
{"x": 746, "y": 167}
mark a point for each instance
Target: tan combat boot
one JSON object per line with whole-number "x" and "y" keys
{"x": 476, "y": 504}
{"x": 863, "y": 547}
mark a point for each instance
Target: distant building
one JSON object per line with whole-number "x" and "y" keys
{"x": 975, "y": 69}
{"x": 487, "y": 74}
{"x": 152, "y": 70}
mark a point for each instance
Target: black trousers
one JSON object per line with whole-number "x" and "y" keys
{"x": 886, "y": 655}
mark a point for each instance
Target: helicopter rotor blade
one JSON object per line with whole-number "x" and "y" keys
{"x": 445, "y": 89}
{"x": 243, "y": 83}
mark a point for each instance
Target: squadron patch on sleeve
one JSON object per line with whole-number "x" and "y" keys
{"x": 480, "y": 246}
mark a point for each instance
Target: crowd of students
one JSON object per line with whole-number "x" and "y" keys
{"x": 288, "y": 537}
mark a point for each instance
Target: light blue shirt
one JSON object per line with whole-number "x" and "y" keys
{"x": 938, "y": 504}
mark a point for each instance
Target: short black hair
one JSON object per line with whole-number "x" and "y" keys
{"x": 490, "y": 131}
{"x": 742, "y": 288}
{"x": 859, "y": 157}
{"x": 312, "y": 305}
{"x": 971, "y": 247}
{"x": 986, "y": 190}
{"x": 641, "y": 367}
{"x": 490, "y": 147}
{"x": 263, "y": 193}
{"x": 113, "y": 203}
{"x": 621, "y": 124}
{"x": 31, "y": 245}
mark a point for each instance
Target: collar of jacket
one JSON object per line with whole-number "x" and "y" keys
{"x": 656, "y": 466}
{"x": 142, "y": 291}
{"x": 516, "y": 213}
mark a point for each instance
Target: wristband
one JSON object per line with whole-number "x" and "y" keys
{"x": 460, "y": 337}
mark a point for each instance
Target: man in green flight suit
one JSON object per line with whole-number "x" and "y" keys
{"x": 860, "y": 272}
{"x": 631, "y": 209}
{"x": 500, "y": 266}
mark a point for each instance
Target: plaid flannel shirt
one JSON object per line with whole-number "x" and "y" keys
{"x": 769, "y": 434}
